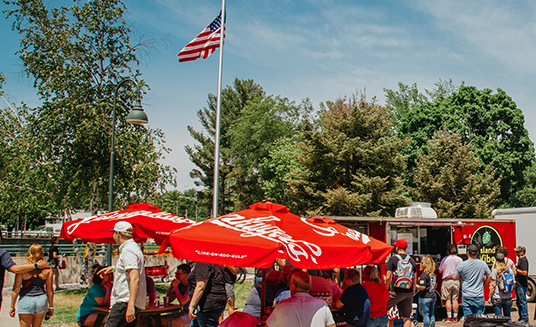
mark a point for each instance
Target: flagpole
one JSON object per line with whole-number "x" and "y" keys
{"x": 218, "y": 118}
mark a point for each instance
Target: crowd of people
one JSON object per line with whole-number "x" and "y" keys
{"x": 205, "y": 290}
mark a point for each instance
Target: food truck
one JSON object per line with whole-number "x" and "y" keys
{"x": 426, "y": 234}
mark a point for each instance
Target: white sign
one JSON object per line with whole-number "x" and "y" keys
{"x": 408, "y": 237}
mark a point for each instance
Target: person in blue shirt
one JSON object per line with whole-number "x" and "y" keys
{"x": 472, "y": 273}
{"x": 354, "y": 301}
{"x": 98, "y": 294}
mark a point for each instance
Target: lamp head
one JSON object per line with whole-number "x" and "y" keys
{"x": 137, "y": 116}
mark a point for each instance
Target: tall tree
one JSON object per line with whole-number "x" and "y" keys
{"x": 253, "y": 124}
{"x": 351, "y": 163}
{"x": 279, "y": 167}
{"x": 490, "y": 122}
{"x": 234, "y": 100}
{"x": 77, "y": 55}
{"x": 401, "y": 102}
{"x": 256, "y": 134}
{"x": 21, "y": 187}
{"x": 448, "y": 176}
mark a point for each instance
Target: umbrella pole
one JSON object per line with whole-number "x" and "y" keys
{"x": 263, "y": 293}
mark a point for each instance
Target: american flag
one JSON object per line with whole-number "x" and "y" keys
{"x": 203, "y": 45}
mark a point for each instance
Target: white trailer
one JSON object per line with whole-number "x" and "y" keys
{"x": 525, "y": 219}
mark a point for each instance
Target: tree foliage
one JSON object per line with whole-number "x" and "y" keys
{"x": 448, "y": 176}
{"x": 233, "y": 101}
{"x": 77, "y": 55}
{"x": 490, "y": 122}
{"x": 401, "y": 102}
{"x": 23, "y": 190}
{"x": 351, "y": 162}
{"x": 253, "y": 126}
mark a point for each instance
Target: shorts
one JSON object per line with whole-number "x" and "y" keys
{"x": 450, "y": 289}
{"x": 229, "y": 289}
{"x": 403, "y": 301}
{"x": 81, "y": 320}
{"x": 33, "y": 304}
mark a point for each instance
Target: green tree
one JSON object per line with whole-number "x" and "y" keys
{"x": 21, "y": 191}
{"x": 256, "y": 135}
{"x": 181, "y": 203}
{"x": 77, "y": 55}
{"x": 448, "y": 176}
{"x": 351, "y": 162}
{"x": 526, "y": 197}
{"x": 490, "y": 122}
{"x": 253, "y": 126}
{"x": 401, "y": 102}
{"x": 234, "y": 100}
{"x": 279, "y": 167}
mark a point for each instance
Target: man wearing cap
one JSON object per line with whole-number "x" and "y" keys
{"x": 472, "y": 273}
{"x": 522, "y": 284}
{"x": 129, "y": 290}
{"x": 401, "y": 296}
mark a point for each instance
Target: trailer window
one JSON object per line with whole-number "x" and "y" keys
{"x": 434, "y": 239}
{"x": 422, "y": 239}
{"x": 410, "y": 234}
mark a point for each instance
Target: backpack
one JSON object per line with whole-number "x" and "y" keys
{"x": 506, "y": 281}
{"x": 403, "y": 276}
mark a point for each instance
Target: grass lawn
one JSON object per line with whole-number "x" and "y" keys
{"x": 66, "y": 303}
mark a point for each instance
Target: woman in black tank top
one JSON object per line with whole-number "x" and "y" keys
{"x": 34, "y": 291}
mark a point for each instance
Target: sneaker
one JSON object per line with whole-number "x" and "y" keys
{"x": 455, "y": 319}
{"x": 447, "y": 320}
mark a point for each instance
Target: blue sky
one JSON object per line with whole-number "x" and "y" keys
{"x": 320, "y": 50}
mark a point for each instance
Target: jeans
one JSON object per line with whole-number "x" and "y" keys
{"x": 32, "y": 304}
{"x": 208, "y": 318}
{"x": 378, "y": 321}
{"x": 474, "y": 305}
{"x": 427, "y": 309}
{"x": 521, "y": 302}
{"x": 504, "y": 304}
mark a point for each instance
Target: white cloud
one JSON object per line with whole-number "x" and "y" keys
{"x": 503, "y": 30}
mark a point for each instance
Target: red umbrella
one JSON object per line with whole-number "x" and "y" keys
{"x": 255, "y": 237}
{"x": 147, "y": 221}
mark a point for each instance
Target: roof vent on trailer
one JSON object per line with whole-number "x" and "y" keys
{"x": 416, "y": 210}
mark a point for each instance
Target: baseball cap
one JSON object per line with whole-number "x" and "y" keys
{"x": 123, "y": 227}
{"x": 401, "y": 244}
{"x": 500, "y": 256}
{"x": 472, "y": 248}
{"x": 521, "y": 248}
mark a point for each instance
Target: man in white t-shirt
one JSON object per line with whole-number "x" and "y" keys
{"x": 129, "y": 289}
{"x": 450, "y": 288}
{"x": 301, "y": 309}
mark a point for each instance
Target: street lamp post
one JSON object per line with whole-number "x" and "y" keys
{"x": 137, "y": 116}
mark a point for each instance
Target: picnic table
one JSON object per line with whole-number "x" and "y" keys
{"x": 151, "y": 310}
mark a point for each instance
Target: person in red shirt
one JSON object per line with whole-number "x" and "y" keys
{"x": 378, "y": 296}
